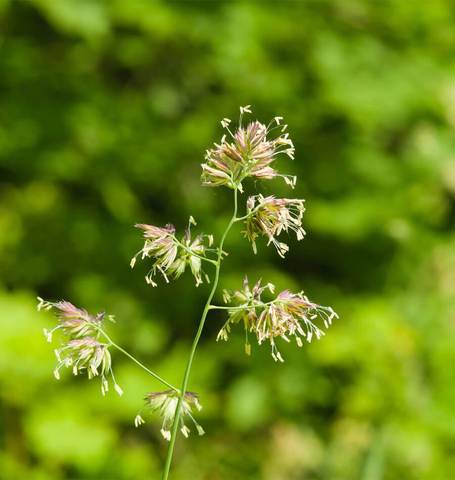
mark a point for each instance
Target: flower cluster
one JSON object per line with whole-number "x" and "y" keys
{"x": 270, "y": 216}
{"x": 165, "y": 403}
{"x": 82, "y": 350}
{"x": 171, "y": 256}
{"x": 288, "y": 315}
{"x": 249, "y": 299}
{"x": 73, "y": 322}
{"x": 249, "y": 152}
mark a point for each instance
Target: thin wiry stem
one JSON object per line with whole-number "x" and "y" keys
{"x": 178, "y": 409}
{"x": 248, "y": 215}
{"x": 135, "y": 360}
{"x": 188, "y": 250}
{"x": 218, "y": 307}
{"x": 245, "y": 306}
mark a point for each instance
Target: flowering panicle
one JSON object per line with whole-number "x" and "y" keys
{"x": 270, "y": 216}
{"x": 248, "y": 153}
{"x": 171, "y": 255}
{"x": 250, "y": 298}
{"x": 82, "y": 351}
{"x": 165, "y": 404}
{"x": 289, "y": 314}
{"x": 161, "y": 244}
{"x": 249, "y": 150}
{"x": 87, "y": 355}
{"x": 73, "y": 321}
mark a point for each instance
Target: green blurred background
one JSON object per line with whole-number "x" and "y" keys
{"x": 106, "y": 109}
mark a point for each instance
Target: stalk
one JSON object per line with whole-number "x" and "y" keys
{"x": 135, "y": 360}
{"x": 186, "y": 376}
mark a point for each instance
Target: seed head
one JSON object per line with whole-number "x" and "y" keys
{"x": 90, "y": 356}
{"x": 269, "y": 216}
{"x": 165, "y": 403}
{"x": 160, "y": 244}
{"x": 73, "y": 322}
{"x": 81, "y": 351}
{"x": 249, "y": 152}
{"x": 288, "y": 315}
{"x": 171, "y": 256}
{"x": 191, "y": 256}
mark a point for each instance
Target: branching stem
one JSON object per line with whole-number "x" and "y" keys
{"x": 135, "y": 360}
{"x": 186, "y": 376}
{"x": 245, "y": 306}
{"x": 188, "y": 250}
{"x": 249, "y": 214}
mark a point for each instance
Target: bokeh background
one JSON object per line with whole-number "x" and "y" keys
{"x": 106, "y": 109}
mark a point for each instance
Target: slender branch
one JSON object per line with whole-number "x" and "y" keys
{"x": 188, "y": 250}
{"x": 239, "y": 219}
{"x": 135, "y": 360}
{"x": 255, "y": 209}
{"x": 178, "y": 409}
{"x": 241, "y": 307}
{"x": 219, "y": 307}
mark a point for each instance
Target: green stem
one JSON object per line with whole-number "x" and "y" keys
{"x": 240, "y": 219}
{"x": 188, "y": 250}
{"x": 241, "y": 307}
{"x": 178, "y": 409}
{"x": 216, "y": 307}
{"x": 136, "y": 361}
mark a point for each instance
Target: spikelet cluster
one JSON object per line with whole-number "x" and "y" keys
{"x": 270, "y": 216}
{"x": 247, "y": 151}
{"x": 172, "y": 256}
{"x": 82, "y": 351}
{"x": 288, "y": 315}
{"x": 165, "y": 403}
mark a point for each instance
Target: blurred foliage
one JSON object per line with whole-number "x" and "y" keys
{"x": 106, "y": 110}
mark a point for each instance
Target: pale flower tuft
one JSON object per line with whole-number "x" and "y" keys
{"x": 270, "y": 216}
{"x": 288, "y": 315}
{"x": 250, "y": 153}
{"x": 81, "y": 351}
{"x": 172, "y": 256}
{"x": 165, "y": 403}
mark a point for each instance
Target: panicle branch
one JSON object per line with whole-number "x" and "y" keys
{"x": 165, "y": 404}
{"x": 288, "y": 315}
{"x": 72, "y": 321}
{"x": 270, "y": 216}
{"x": 81, "y": 350}
{"x": 171, "y": 256}
{"x": 247, "y": 152}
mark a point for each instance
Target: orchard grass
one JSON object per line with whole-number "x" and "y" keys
{"x": 248, "y": 151}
